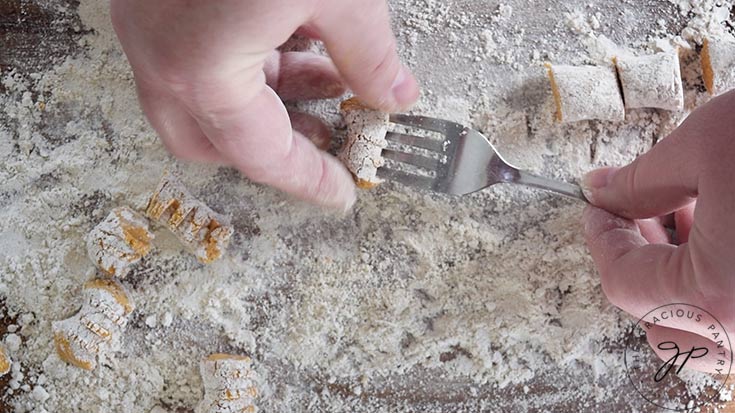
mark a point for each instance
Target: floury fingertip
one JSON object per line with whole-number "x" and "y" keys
{"x": 596, "y": 180}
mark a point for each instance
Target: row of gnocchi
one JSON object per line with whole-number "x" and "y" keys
{"x": 124, "y": 237}
{"x": 580, "y": 93}
{"x": 116, "y": 245}
{"x": 653, "y": 81}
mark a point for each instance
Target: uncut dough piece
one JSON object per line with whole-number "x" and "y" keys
{"x": 585, "y": 93}
{"x": 98, "y": 326}
{"x": 4, "y": 363}
{"x": 205, "y": 233}
{"x": 718, "y": 64}
{"x": 229, "y": 384}
{"x": 119, "y": 241}
{"x": 652, "y": 81}
{"x": 362, "y": 152}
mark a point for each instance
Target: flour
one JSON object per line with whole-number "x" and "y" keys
{"x": 410, "y": 302}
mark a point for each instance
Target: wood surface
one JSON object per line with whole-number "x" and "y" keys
{"x": 33, "y": 38}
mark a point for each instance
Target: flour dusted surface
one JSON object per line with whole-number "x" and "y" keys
{"x": 411, "y": 302}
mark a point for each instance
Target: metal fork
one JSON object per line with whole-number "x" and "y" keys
{"x": 465, "y": 162}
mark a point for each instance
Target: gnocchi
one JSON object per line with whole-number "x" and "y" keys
{"x": 362, "y": 152}
{"x": 585, "y": 93}
{"x": 204, "y": 232}
{"x": 652, "y": 81}
{"x": 718, "y": 64}
{"x": 119, "y": 241}
{"x": 97, "y": 328}
{"x": 229, "y": 384}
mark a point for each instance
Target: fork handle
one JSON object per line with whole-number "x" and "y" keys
{"x": 528, "y": 179}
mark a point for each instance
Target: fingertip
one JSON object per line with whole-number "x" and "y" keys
{"x": 338, "y": 189}
{"x": 402, "y": 94}
{"x": 405, "y": 89}
{"x": 595, "y": 181}
{"x": 363, "y": 47}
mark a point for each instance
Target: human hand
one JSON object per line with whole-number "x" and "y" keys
{"x": 211, "y": 82}
{"x": 690, "y": 174}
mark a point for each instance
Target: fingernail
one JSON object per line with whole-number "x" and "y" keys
{"x": 405, "y": 89}
{"x": 595, "y": 180}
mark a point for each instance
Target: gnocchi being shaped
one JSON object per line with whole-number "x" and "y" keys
{"x": 204, "y": 232}
{"x": 652, "y": 81}
{"x": 98, "y": 326}
{"x": 585, "y": 93}
{"x": 366, "y": 130}
{"x": 229, "y": 384}
{"x": 718, "y": 64}
{"x": 119, "y": 241}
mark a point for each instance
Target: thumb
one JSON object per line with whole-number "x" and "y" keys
{"x": 637, "y": 276}
{"x": 657, "y": 183}
{"x": 675, "y": 171}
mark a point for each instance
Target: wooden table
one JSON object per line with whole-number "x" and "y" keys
{"x": 31, "y": 41}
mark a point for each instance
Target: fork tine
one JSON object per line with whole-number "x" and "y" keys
{"x": 412, "y": 159}
{"x": 422, "y": 122}
{"x": 417, "y": 141}
{"x": 407, "y": 179}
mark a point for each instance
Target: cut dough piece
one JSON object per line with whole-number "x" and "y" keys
{"x": 4, "y": 363}
{"x": 362, "y": 152}
{"x": 718, "y": 64}
{"x": 229, "y": 384}
{"x": 585, "y": 93}
{"x": 652, "y": 81}
{"x": 204, "y": 232}
{"x": 119, "y": 241}
{"x": 97, "y": 328}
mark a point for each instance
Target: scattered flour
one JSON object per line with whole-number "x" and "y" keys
{"x": 410, "y": 302}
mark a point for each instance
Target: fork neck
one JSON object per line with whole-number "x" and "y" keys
{"x": 532, "y": 180}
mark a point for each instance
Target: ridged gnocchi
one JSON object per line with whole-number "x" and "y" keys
{"x": 229, "y": 384}
{"x": 204, "y": 232}
{"x": 119, "y": 241}
{"x": 365, "y": 141}
{"x": 98, "y": 326}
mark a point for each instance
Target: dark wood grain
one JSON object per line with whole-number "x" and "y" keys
{"x": 36, "y": 34}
